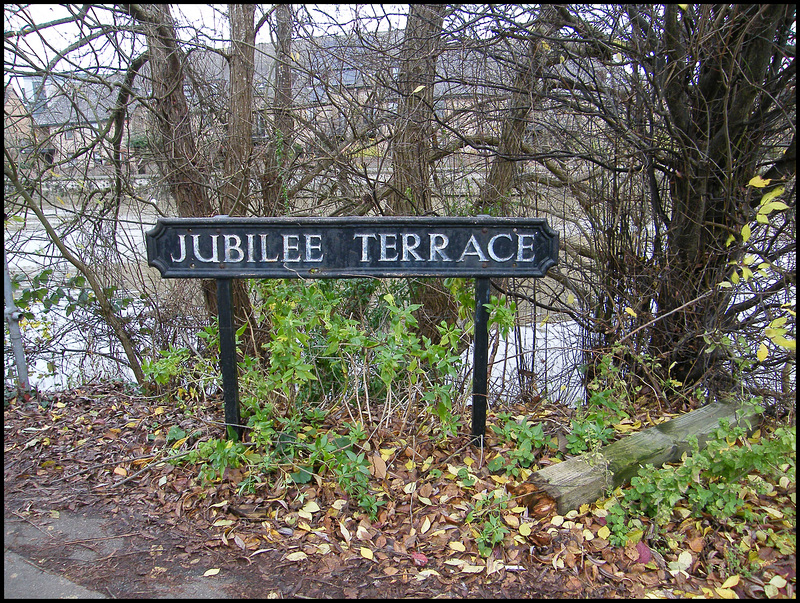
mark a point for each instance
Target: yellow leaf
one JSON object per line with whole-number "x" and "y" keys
{"x": 631, "y": 312}
{"x": 683, "y": 7}
{"x": 160, "y": 410}
{"x": 746, "y": 232}
{"x": 424, "y": 501}
{"x": 296, "y": 556}
{"x": 762, "y": 353}
{"x": 570, "y": 299}
{"x": 525, "y": 529}
{"x": 367, "y": 553}
{"x": 468, "y": 461}
{"x": 471, "y": 569}
{"x": 410, "y": 465}
{"x": 211, "y": 572}
{"x": 410, "y": 487}
{"x": 730, "y": 240}
{"x": 735, "y": 278}
{"x": 426, "y": 525}
{"x": 789, "y": 344}
{"x": 731, "y": 582}
{"x": 457, "y": 546}
{"x": 222, "y": 523}
{"x": 726, "y": 593}
{"x": 758, "y": 182}
{"x": 419, "y": 89}
{"x": 120, "y": 471}
{"x": 604, "y": 533}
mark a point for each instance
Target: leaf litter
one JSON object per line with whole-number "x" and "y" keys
{"x": 420, "y": 542}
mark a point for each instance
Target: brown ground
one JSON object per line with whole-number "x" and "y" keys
{"x": 86, "y": 497}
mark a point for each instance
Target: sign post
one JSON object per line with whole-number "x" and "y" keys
{"x": 224, "y": 248}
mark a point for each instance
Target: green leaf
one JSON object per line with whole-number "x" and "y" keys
{"x": 745, "y": 233}
{"x": 765, "y": 200}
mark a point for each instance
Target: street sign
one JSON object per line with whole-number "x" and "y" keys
{"x": 225, "y": 247}
{"x": 228, "y": 247}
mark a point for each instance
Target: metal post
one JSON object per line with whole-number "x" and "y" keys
{"x": 227, "y": 358}
{"x": 480, "y": 373}
{"x": 12, "y": 314}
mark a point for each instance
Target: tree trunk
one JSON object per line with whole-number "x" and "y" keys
{"x": 280, "y": 150}
{"x": 718, "y": 130}
{"x": 411, "y": 144}
{"x": 184, "y": 174}
{"x": 410, "y": 190}
{"x": 235, "y": 191}
{"x": 509, "y": 151}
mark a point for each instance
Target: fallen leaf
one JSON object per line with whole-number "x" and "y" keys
{"x": 472, "y": 569}
{"x": 731, "y": 582}
{"x": 378, "y": 466}
{"x": 222, "y": 523}
{"x": 120, "y": 471}
{"x": 457, "y": 546}
{"x": 525, "y": 529}
{"x": 696, "y": 544}
{"x": 726, "y": 593}
{"x": 311, "y": 507}
{"x": 426, "y": 573}
{"x": 604, "y": 533}
{"x": 419, "y": 559}
{"x": 211, "y": 572}
{"x": 296, "y": 556}
{"x": 345, "y": 532}
{"x": 644, "y": 552}
{"x": 367, "y": 553}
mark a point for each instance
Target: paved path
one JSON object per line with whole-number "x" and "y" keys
{"x": 23, "y": 580}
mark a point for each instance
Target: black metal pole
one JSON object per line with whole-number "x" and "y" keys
{"x": 227, "y": 358}
{"x": 480, "y": 373}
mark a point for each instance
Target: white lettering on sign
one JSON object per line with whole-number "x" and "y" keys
{"x": 385, "y": 247}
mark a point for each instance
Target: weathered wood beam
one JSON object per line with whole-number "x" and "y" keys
{"x": 586, "y": 478}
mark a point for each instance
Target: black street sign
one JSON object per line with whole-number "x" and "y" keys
{"x": 229, "y": 247}
{"x": 224, "y": 248}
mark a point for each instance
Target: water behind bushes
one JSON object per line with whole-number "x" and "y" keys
{"x": 65, "y": 351}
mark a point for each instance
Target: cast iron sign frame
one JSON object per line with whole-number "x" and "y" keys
{"x": 225, "y": 247}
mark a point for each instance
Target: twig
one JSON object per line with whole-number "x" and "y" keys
{"x": 33, "y": 524}
{"x": 82, "y": 540}
{"x": 657, "y": 318}
{"x": 142, "y": 470}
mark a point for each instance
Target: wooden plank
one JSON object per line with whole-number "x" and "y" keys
{"x": 586, "y": 478}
